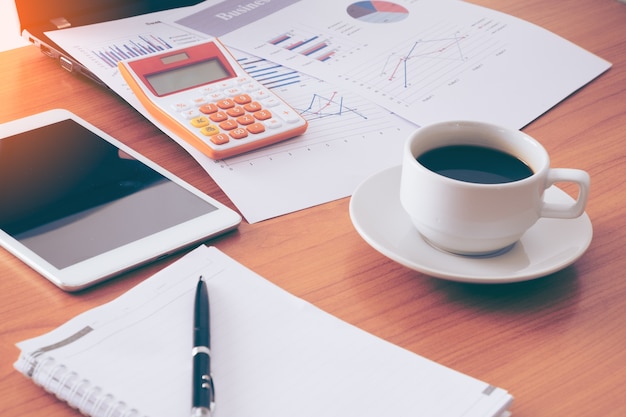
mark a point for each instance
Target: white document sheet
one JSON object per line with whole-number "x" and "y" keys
{"x": 425, "y": 60}
{"x": 348, "y": 138}
{"x": 351, "y": 67}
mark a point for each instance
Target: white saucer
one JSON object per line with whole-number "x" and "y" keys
{"x": 548, "y": 246}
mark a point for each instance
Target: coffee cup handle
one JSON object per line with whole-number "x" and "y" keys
{"x": 567, "y": 211}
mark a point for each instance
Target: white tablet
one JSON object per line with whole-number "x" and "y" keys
{"x": 79, "y": 206}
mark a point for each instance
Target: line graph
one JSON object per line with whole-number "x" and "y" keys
{"x": 445, "y": 49}
{"x": 321, "y": 107}
{"x": 336, "y": 118}
{"x": 336, "y": 121}
{"x": 418, "y": 67}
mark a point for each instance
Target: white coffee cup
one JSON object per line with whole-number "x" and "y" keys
{"x": 478, "y": 218}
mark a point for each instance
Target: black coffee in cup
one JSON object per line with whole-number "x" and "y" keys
{"x": 475, "y": 164}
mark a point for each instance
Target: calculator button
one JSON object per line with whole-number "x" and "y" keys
{"x": 209, "y": 108}
{"x": 220, "y": 139}
{"x": 238, "y": 133}
{"x": 210, "y": 89}
{"x": 260, "y": 95}
{"x": 200, "y": 122}
{"x": 180, "y": 107}
{"x": 256, "y": 128}
{"x": 273, "y": 123}
{"x": 191, "y": 113}
{"x": 287, "y": 114}
{"x": 242, "y": 99}
{"x": 242, "y": 80}
{"x": 262, "y": 115}
{"x": 218, "y": 95}
{"x": 252, "y": 107}
{"x": 271, "y": 102}
{"x": 226, "y": 84}
{"x": 246, "y": 119}
{"x": 249, "y": 87}
{"x": 225, "y": 104}
{"x": 229, "y": 124}
{"x": 210, "y": 130}
{"x": 198, "y": 101}
{"x": 232, "y": 91}
{"x": 220, "y": 116}
{"x": 236, "y": 111}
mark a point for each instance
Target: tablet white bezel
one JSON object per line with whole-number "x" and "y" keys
{"x": 109, "y": 264}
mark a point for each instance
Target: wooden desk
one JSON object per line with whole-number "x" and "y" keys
{"x": 558, "y": 344}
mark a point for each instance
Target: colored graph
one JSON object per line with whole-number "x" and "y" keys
{"x": 131, "y": 48}
{"x": 321, "y": 107}
{"x": 448, "y": 49}
{"x": 439, "y": 57}
{"x": 337, "y": 121}
{"x": 377, "y": 12}
{"x": 269, "y": 74}
{"x": 328, "y": 111}
{"x": 312, "y": 46}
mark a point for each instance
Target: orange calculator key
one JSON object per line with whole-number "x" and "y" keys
{"x": 220, "y": 116}
{"x": 242, "y": 99}
{"x": 220, "y": 139}
{"x": 236, "y": 111}
{"x": 262, "y": 115}
{"x": 252, "y": 107}
{"x": 225, "y": 104}
{"x": 246, "y": 119}
{"x": 238, "y": 133}
{"x": 229, "y": 124}
{"x": 209, "y": 108}
{"x": 256, "y": 128}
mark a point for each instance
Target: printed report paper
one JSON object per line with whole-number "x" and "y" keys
{"x": 351, "y": 67}
{"x": 425, "y": 60}
{"x": 349, "y": 138}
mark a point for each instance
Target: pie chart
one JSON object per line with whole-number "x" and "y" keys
{"x": 377, "y": 11}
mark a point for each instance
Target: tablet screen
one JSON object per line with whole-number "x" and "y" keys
{"x": 69, "y": 195}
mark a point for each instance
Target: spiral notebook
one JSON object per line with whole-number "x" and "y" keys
{"x": 273, "y": 354}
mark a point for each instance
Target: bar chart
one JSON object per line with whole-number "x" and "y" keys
{"x": 312, "y": 46}
{"x": 269, "y": 74}
{"x": 108, "y": 54}
{"x": 131, "y": 48}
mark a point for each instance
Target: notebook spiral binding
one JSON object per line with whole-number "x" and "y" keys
{"x": 69, "y": 387}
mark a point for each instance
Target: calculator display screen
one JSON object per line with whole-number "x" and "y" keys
{"x": 188, "y": 76}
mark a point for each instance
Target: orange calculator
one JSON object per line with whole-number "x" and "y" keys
{"x": 203, "y": 95}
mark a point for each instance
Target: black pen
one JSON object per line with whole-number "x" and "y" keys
{"x": 203, "y": 397}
